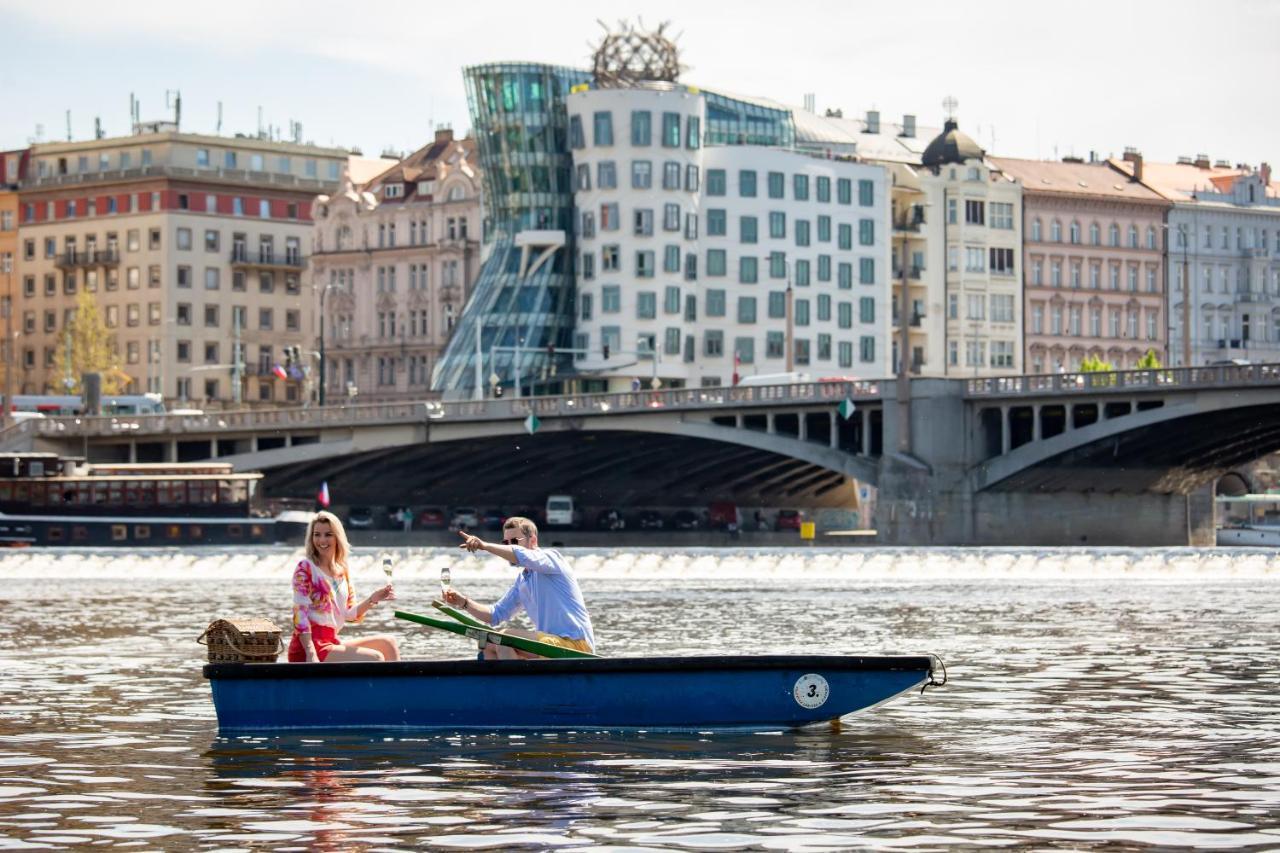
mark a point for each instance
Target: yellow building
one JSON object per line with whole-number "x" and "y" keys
{"x": 11, "y": 170}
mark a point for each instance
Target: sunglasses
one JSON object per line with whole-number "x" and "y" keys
{"x": 515, "y": 541}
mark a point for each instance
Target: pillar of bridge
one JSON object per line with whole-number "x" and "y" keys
{"x": 803, "y": 426}
{"x": 769, "y": 426}
{"x": 833, "y": 432}
{"x": 737, "y": 420}
{"x": 1006, "y": 430}
{"x": 172, "y": 454}
{"x": 864, "y": 421}
{"x": 1035, "y": 422}
{"x": 133, "y": 451}
{"x": 213, "y": 448}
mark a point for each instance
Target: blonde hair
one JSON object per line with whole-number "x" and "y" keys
{"x": 341, "y": 546}
{"x": 527, "y": 527}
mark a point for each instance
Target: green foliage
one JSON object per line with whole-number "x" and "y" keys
{"x": 1093, "y": 364}
{"x": 93, "y": 350}
{"x": 1149, "y": 361}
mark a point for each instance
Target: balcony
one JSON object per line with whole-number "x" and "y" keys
{"x": 88, "y": 258}
{"x": 909, "y": 221}
{"x": 917, "y": 320}
{"x": 1253, "y": 296}
{"x": 242, "y": 257}
{"x": 216, "y": 175}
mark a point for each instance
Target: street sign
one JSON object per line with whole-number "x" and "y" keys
{"x": 846, "y": 408}
{"x": 531, "y": 424}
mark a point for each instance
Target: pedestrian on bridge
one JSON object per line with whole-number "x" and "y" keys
{"x": 546, "y": 589}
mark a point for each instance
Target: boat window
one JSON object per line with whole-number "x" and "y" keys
{"x": 235, "y": 531}
{"x": 197, "y": 532}
{"x": 115, "y": 493}
{"x": 208, "y": 491}
{"x": 142, "y": 531}
{"x": 6, "y": 491}
{"x": 119, "y": 532}
{"x": 54, "y": 533}
{"x": 256, "y": 530}
{"x": 80, "y": 533}
{"x": 99, "y": 494}
{"x": 39, "y": 494}
{"x": 173, "y": 531}
{"x": 22, "y": 492}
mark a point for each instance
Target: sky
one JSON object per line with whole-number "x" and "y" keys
{"x": 1031, "y": 79}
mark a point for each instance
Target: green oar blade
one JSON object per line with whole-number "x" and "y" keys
{"x": 462, "y": 617}
{"x": 488, "y": 634}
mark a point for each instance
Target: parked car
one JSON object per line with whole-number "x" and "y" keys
{"x": 610, "y": 519}
{"x": 360, "y": 518}
{"x": 492, "y": 519}
{"x": 464, "y": 518}
{"x": 560, "y": 511}
{"x": 431, "y": 518}
{"x": 650, "y": 520}
{"x": 685, "y": 520}
{"x": 788, "y": 519}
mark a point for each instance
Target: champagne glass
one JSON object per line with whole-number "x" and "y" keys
{"x": 387, "y": 566}
{"x": 444, "y": 583}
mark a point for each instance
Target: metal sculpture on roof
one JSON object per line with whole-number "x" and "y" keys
{"x": 630, "y": 54}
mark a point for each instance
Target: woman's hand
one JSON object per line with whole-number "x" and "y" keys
{"x": 387, "y": 593}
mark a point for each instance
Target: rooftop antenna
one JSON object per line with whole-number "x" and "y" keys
{"x": 219, "y": 128}
{"x": 97, "y": 127}
{"x": 68, "y": 125}
{"x": 259, "y": 121}
{"x": 132, "y": 112}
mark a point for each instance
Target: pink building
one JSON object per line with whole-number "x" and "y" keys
{"x": 1092, "y": 265}
{"x": 395, "y": 255}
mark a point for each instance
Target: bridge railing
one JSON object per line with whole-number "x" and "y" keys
{"x": 1114, "y": 381}
{"x": 256, "y": 420}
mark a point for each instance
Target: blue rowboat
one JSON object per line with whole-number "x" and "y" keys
{"x": 671, "y": 693}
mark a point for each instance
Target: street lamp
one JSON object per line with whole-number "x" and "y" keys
{"x": 323, "y": 374}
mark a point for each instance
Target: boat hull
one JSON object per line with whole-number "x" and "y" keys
{"x": 700, "y": 693}
{"x": 1257, "y": 536}
{"x": 134, "y": 531}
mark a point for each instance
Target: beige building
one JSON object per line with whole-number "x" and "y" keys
{"x": 394, "y": 258}
{"x": 1094, "y": 265}
{"x": 190, "y": 244}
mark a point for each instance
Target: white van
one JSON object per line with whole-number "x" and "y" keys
{"x": 774, "y": 379}
{"x": 559, "y": 511}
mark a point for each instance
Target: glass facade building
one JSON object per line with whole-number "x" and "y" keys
{"x": 521, "y": 128}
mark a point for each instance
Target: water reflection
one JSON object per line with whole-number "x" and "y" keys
{"x": 1096, "y": 699}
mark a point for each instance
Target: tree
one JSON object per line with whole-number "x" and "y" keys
{"x": 1149, "y": 361}
{"x": 92, "y": 348}
{"x": 1093, "y": 364}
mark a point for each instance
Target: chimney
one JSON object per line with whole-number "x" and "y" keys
{"x": 909, "y": 126}
{"x": 444, "y": 134}
{"x": 810, "y": 102}
{"x": 1202, "y": 161}
{"x": 873, "y": 121}
{"x": 1265, "y": 171}
{"x": 1134, "y": 156}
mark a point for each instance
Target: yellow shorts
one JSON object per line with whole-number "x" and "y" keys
{"x": 565, "y": 643}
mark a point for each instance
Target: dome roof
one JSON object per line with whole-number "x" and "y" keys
{"x": 951, "y": 146}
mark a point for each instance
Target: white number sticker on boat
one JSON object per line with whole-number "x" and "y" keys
{"x": 811, "y": 690}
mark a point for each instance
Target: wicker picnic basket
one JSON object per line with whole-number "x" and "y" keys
{"x": 242, "y": 640}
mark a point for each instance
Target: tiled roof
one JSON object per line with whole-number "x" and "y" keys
{"x": 1180, "y": 181}
{"x": 1093, "y": 179}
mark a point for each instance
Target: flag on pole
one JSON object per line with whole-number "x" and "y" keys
{"x": 280, "y": 372}
{"x": 737, "y": 362}
{"x": 323, "y": 495}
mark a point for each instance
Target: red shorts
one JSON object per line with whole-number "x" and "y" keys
{"x": 322, "y": 637}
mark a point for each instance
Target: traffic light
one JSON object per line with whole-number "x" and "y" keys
{"x": 288, "y": 357}
{"x": 606, "y": 352}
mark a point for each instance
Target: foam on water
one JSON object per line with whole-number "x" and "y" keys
{"x": 760, "y": 565}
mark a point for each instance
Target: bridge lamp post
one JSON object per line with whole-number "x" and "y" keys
{"x": 323, "y": 374}
{"x": 643, "y": 345}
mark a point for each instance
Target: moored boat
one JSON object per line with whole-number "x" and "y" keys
{"x": 1249, "y": 521}
{"x": 46, "y": 499}
{"x": 670, "y": 693}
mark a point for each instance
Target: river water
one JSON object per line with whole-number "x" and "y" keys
{"x": 1097, "y": 699}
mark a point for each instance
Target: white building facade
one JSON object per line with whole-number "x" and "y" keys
{"x": 698, "y": 264}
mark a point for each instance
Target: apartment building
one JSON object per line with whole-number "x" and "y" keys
{"x": 394, "y": 256}
{"x": 703, "y": 260}
{"x": 1094, "y": 279}
{"x": 12, "y": 169}
{"x": 1223, "y": 248}
{"x": 193, "y": 247}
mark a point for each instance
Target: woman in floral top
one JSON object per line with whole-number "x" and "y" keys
{"x": 324, "y": 599}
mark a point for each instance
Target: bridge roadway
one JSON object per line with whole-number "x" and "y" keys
{"x": 1105, "y": 458}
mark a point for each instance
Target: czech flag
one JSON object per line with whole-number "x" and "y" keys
{"x": 280, "y": 372}
{"x": 323, "y": 495}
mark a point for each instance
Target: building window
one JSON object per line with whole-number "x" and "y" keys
{"x": 602, "y": 127}
{"x": 641, "y": 174}
{"x": 646, "y": 305}
{"x": 713, "y": 343}
{"x": 777, "y": 185}
{"x": 606, "y": 175}
{"x": 717, "y": 223}
{"x": 866, "y": 193}
{"x": 748, "y": 270}
{"x": 747, "y": 232}
{"x": 714, "y": 305}
{"x": 777, "y": 225}
{"x": 693, "y": 132}
{"x": 747, "y": 183}
{"x": 800, "y": 187}
{"x": 671, "y": 130}
{"x": 610, "y": 299}
{"x": 641, "y": 127}
{"x": 717, "y": 184}
{"x": 576, "y": 140}
{"x": 716, "y": 262}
